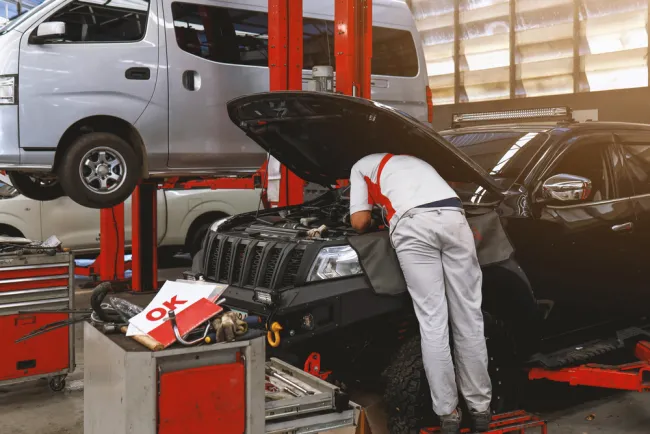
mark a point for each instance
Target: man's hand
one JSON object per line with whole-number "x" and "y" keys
{"x": 361, "y": 221}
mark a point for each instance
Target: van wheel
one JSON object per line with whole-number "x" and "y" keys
{"x": 99, "y": 170}
{"x": 32, "y": 187}
{"x": 407, "y": 393}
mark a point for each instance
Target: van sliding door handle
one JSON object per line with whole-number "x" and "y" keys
{"x": 625, "y": 227}
{"x": 191, "y": 80}
{"x": 138, "y": 74}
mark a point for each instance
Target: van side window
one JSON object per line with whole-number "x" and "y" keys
{"x": 240, "y": 37}
{"x": 102, "y": 21}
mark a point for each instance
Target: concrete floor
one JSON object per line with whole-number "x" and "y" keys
{"x": 31, "y": 408}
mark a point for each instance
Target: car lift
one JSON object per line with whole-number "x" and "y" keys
{"x": 353, "y": 48}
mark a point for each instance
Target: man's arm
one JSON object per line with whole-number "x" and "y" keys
{"x": 361, "y": 221}
{"x": 360, "y": 201}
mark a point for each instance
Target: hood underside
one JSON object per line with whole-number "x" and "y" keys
{"x": 319, "y": 136}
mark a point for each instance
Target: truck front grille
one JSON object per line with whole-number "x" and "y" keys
{"x": 251, "y": 263}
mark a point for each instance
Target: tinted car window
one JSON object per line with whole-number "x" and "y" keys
{"x": 112, "y": 21}
{"x": 504, "y": 155}
{"x": 637, "y": 161}
{"x": 240, "y": 37}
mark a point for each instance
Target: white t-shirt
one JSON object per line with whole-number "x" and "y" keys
{"x": 406, "y": 181}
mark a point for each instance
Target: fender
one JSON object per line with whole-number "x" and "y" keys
{"x": 13, "y": 221}
{"x": 508, "y": 295}
{"x": 200, "y": 202}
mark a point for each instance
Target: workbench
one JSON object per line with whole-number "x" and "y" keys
{"x": 217, "y": 388}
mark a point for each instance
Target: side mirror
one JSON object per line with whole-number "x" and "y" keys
{"x": 49, "y": 31}
{"x": 566, "y": 188}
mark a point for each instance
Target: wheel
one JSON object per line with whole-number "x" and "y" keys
{"x": 99, "y": 170}
{"x": 57, "y": 384}
{"x": 36, "y": 188}
{"x": 195, "y": 240}
{"x": 407, "y": 393}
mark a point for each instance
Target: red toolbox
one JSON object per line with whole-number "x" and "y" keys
{"x": 30, "y": 283}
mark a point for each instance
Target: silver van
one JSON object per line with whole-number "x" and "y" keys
{"x": 96, "y": 94}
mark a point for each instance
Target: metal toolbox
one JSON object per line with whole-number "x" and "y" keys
{"x": 323, "y": 408}
{"x": 30, "y": 283}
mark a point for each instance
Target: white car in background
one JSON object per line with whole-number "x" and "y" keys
{"x": 184, "y": 217}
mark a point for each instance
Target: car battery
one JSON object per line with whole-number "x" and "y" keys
{"x": 30, "y": 283}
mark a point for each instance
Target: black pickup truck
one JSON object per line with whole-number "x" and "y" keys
{"x": 567, "y": 204}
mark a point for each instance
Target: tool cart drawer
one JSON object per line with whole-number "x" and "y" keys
{"x": 40, "y": 355}
{"x": 30, "y": 283}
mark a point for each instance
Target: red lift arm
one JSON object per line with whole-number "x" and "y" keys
{"x": 630, "y": 376}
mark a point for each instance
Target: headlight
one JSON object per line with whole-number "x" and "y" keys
{"x": 215, "y": 225}
{"x": 8, "y": 89}
{"x": 339, "y": 261}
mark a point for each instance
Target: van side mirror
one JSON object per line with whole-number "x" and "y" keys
{"x": 48, "y": 32}
{"x": 566, "y": 188}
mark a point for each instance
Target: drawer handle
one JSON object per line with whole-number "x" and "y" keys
{"x": 25, "y": 320}
{"x": 25, "y": 364}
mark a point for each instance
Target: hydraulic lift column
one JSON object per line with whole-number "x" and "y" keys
{"x": 353, "y": 47}
{"x": 144, "y": 234}
{"x": 285, "y": 68}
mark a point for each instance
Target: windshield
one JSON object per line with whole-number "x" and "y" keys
{"x": 503, "y": 154}
{"x": 17, "y": 19}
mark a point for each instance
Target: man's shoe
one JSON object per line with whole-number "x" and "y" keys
{"x": 450, "y": 424}
{"x": 481, "y": 421}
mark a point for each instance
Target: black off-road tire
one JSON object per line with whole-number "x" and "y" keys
{"x": 407, "y": 393}
{"x": 33, "y": 188}
{"x": 195, "y": 238}
{"x": 73, "y": 182}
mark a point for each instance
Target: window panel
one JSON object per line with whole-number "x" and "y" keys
{"x": 435, "y": 23}
{"x": 96, "y": 21}
{"x": 240, "y": 37}
{"x": 544, "y": 47}
{"x": 614, "y": 44}
{"x": 484, "y": 49}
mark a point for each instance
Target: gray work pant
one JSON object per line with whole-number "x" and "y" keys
{"x": 437, "y": 254}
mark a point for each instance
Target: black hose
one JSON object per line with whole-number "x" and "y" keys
{"x": 96, "y": 299}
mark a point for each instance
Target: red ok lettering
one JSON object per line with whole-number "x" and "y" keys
{"x": 159, "y": 312}
{"x": 156, "y": 314}
{"x": 171, "y": 304}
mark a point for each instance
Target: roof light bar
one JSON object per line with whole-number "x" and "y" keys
{"x": 508, "y": 115}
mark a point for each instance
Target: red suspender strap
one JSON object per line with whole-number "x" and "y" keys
{"x": 374, "y": 189}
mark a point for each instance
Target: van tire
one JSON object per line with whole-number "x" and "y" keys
{"x": 99, "y": 170}
{"x": 407, "y": 395}
{"x": 36, "y": 189}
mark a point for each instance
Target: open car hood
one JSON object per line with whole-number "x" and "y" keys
{"x": 319, "y": 136}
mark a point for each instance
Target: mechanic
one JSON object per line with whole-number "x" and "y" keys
{"x": 436, "y": 251}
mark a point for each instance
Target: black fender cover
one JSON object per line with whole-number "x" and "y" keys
{"x": 381, "y": 266}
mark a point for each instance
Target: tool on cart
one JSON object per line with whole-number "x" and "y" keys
{"x": 275, "y": 373}
{"x": 108, "y": 317}
{"x": 176, "y": 311}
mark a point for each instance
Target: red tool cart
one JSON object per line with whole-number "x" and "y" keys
{"x": 32, "y": 282}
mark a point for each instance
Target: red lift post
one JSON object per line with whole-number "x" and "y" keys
{"x": 285, "y": 69}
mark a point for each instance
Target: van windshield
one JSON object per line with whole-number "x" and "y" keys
{"x": 17, "y": 19}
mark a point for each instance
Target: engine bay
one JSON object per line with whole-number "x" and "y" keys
{"x": 318, "y": 220}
